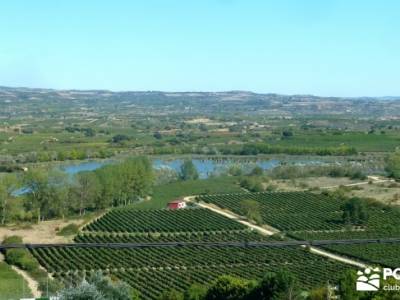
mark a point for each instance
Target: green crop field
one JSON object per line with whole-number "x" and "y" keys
{"x": 387, "y": 255}
{"x": 359, "y": 140}
{"x": 205, "y": 236}
{"x": 287, "y": 211}
{"x": 307, "y": 214}
{"x": 152, "y": 270}
{"x": 163, "y": 220}
{"x": 12, "y": 285}
{"x": 310, "y": 216}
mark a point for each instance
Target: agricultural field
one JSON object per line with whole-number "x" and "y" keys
{"x": 242, "y": 235}
{"x": 188, "y": 220}
{"x": 12, "y": 284}
{"x": 152, "y": 270}
{"x": 303, "y": 213}
{"x": 386, "y": 255}
{"x": 362, "y": 141}
{"x": 286, "y": 211}
{"x": 312, "y": 216}
{"x": 292, "y": 148}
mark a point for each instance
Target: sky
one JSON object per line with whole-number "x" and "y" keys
{"x": 320, "y": 47}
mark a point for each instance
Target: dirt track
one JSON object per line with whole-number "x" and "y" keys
{"x": 272, "y": 231}
{"x": 32, "y": 284}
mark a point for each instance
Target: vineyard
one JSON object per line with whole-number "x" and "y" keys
{"x": 309, "y": 216}
{"x": 379, "y": 254}
{"x": 207, "y": 236}
{"x": 287, "y": 211}
{"x": 162, "y": 220}
{"x": 152, "y": 270}
{"x": 152, "y": 282}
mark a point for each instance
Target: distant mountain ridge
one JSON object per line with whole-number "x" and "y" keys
{"x": 200, "y": 102}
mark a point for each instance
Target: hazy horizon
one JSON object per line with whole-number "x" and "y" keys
{"x": 195, "y": 91}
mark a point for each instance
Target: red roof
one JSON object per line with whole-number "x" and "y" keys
{"x": 176, "y": 201}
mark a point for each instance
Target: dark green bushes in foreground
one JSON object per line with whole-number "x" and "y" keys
{"x": 273, "y": 286}
{"x": 282, "y": 285}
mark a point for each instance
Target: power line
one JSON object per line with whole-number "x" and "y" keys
{"x": 206, "y": 244}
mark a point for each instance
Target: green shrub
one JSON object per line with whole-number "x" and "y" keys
{"x": 14, "y": 239}
{"x": 71, "y": 229}
{"x": 28, "y": 262}
{"x": 13, "y": 256}
{"x": 21, "y": 258}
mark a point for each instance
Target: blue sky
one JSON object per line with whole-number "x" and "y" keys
{"x": 322, "y": 47}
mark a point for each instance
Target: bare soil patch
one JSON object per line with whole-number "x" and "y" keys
{"x": 43, "y": 233}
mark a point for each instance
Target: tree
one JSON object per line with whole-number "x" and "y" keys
{"x": 58, "y": 200}
{"x": 124, "y": 183}
{"x": 189, "y": 171}
{"x": 257, "y": 171}
{"x": 112, "y": 290}
{"x": 89, "y": 132}
{"x": 119, "y": 138}
{"x": 355, "y": 211}
{"x": 251, "y": 209}
{"x": 84, "y": 291}
{"x": 195, "y": 292}
{"x": 47, "y": 194}
{"x": 235, "y": 171}
{"x": 229, "y": 288}
{"x": 287, "y": 133}
{"x": 86, "y": 190}
{"x": 277, "y": 286}
{"x": 347, "y": 282}
{"x": 393, "y": 165}
{"x": 98, "y": 287}
{"x": 36, "y": 182}
{"x": 8, "y": 184}
{"x": 157, "y": 135}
